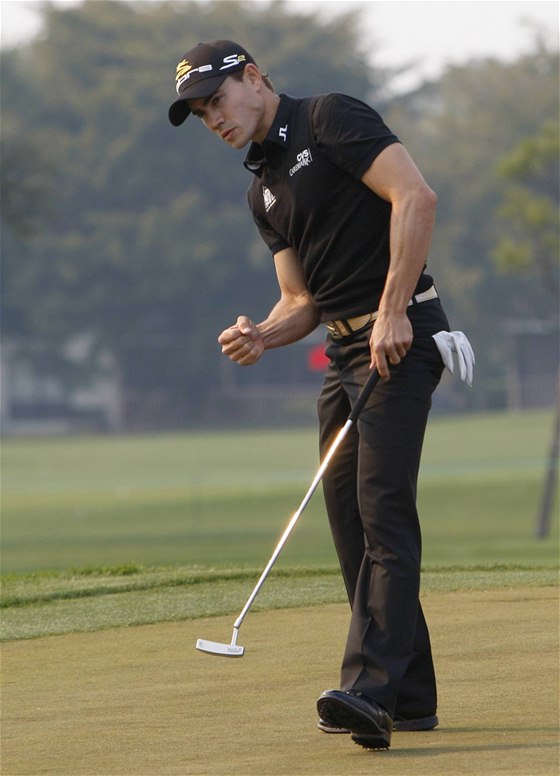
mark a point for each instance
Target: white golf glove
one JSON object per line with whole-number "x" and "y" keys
{"x": 449, "y": 342}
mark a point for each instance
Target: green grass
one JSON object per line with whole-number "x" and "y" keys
{"x": 107, "y": 532}
{"x": 142, "y": 701}
{"x": 104, "y": 531}
{"x": 223, "y": 499}
{"x": 44, "y": 604}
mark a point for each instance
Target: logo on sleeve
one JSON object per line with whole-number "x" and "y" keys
{"x": 269, "y": 198}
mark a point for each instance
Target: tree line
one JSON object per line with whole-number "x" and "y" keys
{"x": 133, "y": 239}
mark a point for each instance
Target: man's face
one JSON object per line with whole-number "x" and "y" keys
{"x": 235, "y": 112}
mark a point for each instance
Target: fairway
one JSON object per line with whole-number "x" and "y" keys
{"x": 223, "y": 499}
{"x": 143, "y": 702}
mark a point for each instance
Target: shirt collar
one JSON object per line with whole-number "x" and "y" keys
{"x": 278, "y": 136}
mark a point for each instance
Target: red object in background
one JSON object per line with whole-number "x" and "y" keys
{"x": 317, "y": 359}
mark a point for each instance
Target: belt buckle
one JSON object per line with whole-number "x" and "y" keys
{"x": 335, "y": 329}
{"x": 345, "y": 328}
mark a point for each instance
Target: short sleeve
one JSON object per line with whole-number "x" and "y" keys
{"x": 350, "y": 133}
{"x": 272, "y": 239}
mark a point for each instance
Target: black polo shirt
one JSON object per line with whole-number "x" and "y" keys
{"x": 307, "y": 195}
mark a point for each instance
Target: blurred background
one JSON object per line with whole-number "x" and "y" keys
{"x": 127, "y": 245}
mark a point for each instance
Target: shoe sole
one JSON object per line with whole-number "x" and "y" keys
{"x": 322, "y": 725}
{"x": 399, "y": 725}
{"x": 365, "y": 731}
{"x": 373, "y": 743}
{"x": 402, "y": 725}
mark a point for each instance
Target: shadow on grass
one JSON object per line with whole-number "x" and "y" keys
{"x": 491, "y": 746}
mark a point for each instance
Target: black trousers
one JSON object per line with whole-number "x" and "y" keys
{"x": 370, "y": 494}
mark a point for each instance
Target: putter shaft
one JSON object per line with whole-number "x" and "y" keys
{"x": 233, "y": 650}
{"x": 291, "y": 525}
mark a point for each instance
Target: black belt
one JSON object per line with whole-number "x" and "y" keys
{"x": 347, "y": 326}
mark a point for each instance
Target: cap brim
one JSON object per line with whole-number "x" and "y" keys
{"x": 179, "y": 110}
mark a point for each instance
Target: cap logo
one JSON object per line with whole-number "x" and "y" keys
{"x": 192, "y": 71}
{"x": 232, "y": 60}
{"x": 183, "y": 67}
{"x": 185, "y": 70}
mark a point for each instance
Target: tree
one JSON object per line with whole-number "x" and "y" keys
{"x": 151, "y": 247}
{"x": 530, "y": 209}
{"x": 459, "y": 128}
{"x": 149, "y": 250}
{"x": 531, "y": 246}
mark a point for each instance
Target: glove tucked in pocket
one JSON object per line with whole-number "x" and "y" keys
{"x": 449, "y": 342}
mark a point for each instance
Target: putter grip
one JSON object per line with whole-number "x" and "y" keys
{"x": 372, "y": 380}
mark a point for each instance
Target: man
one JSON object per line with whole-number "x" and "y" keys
{"x": 348, "y": 219}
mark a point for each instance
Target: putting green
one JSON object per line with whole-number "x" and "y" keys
{"x": 142, "y": 701}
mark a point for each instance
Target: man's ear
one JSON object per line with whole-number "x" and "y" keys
{"x": 252, "y": 73}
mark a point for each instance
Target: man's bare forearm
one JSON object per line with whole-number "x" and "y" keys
{"x": 289, "y": 321}
{"x": 412, "y": 224}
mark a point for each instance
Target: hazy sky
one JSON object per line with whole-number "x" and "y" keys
{"x": 428, "y": 33}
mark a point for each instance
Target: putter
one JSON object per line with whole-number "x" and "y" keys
{"x": 233, "y": 649}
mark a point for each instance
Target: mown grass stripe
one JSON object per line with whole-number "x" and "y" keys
{"x": 25, "y": 590}
{"x": 225, "y": 594}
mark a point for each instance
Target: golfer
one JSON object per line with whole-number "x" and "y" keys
{"x": 348, "y": 219}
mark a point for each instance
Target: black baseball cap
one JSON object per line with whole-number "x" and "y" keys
{"x": 202, "y": 71}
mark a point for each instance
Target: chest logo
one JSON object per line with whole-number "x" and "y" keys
{"x": 304, "y": 159}
{"x": 269, "y": 198}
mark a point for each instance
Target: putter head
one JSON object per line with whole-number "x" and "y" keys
{"x": 215, "y": 648}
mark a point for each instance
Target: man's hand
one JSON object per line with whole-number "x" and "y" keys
{"x": 242, "y": 343}
{"x": 390, "y": 341}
